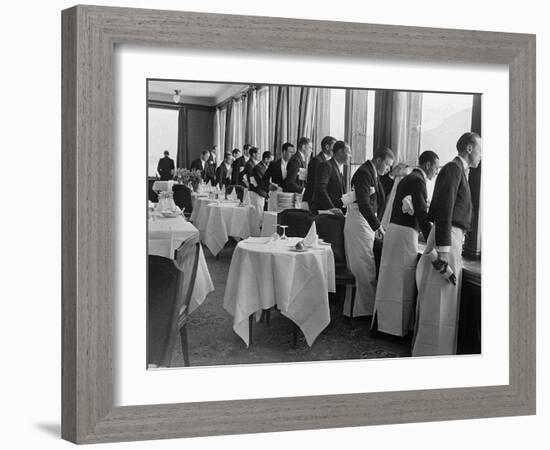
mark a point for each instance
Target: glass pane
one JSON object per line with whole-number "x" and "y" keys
{"x": 163, "y": 135}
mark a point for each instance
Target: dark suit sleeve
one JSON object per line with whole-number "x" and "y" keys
{"x": 267, "y": 176}
{"x": 362, "y": 184}
{"x": 159, "y": 168}
{"x": 443, "y": 202}
{"x": 322, "y": 199}
{"x": 291, "y": 184}
{"x": 419, "y": 196}
{"x": 219, "y": 175}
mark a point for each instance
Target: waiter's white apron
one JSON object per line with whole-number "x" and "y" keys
{"x": 438, "y": 301}
{"x": 396, "y": 288}
{"x": 258, "y": 202}
{"x": 359, "y": 243}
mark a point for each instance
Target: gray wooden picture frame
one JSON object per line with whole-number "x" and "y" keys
{"x": 90, "y": 34}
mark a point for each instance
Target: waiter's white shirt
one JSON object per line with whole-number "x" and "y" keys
{"x": 283, "y": 167}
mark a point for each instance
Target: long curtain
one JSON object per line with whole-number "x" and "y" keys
{"x": 307, "y": 112}
{"x": 262, "y": 123}
{"x": 281, "y": 121}
{"x": 228, "y": 127}
{"x": 273, "y": 95}
{"x": 250, "y": 121}
{"x": 216, "y": 139}
{"x": 222, "y": 126}
{"x": 398, "y": 118}
{"x": 182, "y": 158}
{"x": 321, "y": 127}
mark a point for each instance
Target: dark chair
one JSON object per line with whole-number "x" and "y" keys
{"x": 239, "y": 189}
{"x": 330, "y": 228}
{"x": 168, "y": 312}
{"x": 182, "y": 198}
{"x": 298, "y": 220}
{"x": 151, "y": 195}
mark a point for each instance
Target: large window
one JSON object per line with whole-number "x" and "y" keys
{"x": 163, "y": 135}
{"x": 445, "y": 117}
{"x": 337, "y": 113}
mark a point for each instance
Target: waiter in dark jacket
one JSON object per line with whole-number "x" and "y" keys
{"x": 238, "y": 165}
{"x": 224, "y": 171}
{"x": 165, "y": 167}
{"x": 362, "y": 224}
{"x": 257, "y": 191}
{"x": 277, "y": 171}
{"x": 327, "y": 145}
{"x": 296, "y": 177}
{"x": 207, "y": 170}
{"x": 330, "y": 184}
{"x": 396, "y": 288}
{"x": 451, "y": 212}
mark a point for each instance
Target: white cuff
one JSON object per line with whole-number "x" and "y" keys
{"x": 443, "y": 248}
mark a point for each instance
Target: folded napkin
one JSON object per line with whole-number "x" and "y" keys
{"x": 407, "y": 205}
{"x": 233, "y": 195}
{"x": 311, "y": 239}
{"x": 348, "y": 198}
{"x": 302, "y": 174}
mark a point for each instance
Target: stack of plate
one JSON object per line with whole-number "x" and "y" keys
{"x": 285, "y": 200}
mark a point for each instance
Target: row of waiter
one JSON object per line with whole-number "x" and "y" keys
{"x": 409, "y": 294}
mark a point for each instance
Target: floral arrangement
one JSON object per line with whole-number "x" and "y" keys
{"x": 188, "y": 177}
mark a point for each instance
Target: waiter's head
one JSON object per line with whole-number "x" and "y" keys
{"x": 254, "y": 154}
{"x": 327, "y": 145}
{"x": 341, "y": 152}
{"x": 469, "y": 148}
{"x": 304, "y": 146}
{"x": 266, "y": 157}
{"x": 236, "y": 153}
{"x": 383, "y": 159}
{"x": 205, "y": 154}
{"x": 166, "y": 153}
{"x": 227, "y": 157}
{"x": 288, "y": 151}
{"x": 246, "y": 149}
{"x": 428, "y": 161}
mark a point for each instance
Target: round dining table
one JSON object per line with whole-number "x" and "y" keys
{"x": 223, "y": 219}
{"x": 266, "y": 272}
{"x": 164, "y": 236}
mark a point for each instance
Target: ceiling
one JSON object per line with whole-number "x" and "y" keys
{"x": 211, "y": 93}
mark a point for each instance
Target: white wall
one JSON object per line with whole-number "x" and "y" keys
{"x": 30, "y": 272}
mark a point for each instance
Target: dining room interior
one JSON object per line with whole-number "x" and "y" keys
{"x": 252, "y": 252}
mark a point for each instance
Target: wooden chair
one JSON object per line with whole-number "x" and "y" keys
{"x": 151, "y": 195}
{"x": 330, "y": 228}
{"x": 172, "y": 311}
{"x": 182, "y": 198}
{"x": 298, "y": 220}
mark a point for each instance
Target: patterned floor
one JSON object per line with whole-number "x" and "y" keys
{"x": 213, "y": 342}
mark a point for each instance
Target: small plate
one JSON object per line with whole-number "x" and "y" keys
{"x": 298, "y": 250}
{"x": 171, "y": 214}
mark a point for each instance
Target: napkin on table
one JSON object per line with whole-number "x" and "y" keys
{"x": 311, "y": 238}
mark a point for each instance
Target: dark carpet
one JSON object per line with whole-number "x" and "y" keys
{"x": 213, "y": 342}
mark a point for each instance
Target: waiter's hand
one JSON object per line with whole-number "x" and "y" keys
{"x": 443, "y": 256}
{"x": 380, "y": 232}
{"x": 336, "y": 211}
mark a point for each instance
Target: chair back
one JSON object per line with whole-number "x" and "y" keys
{"x": 238, "y": 188}
{"x": 151, "y": 195}
{"x": 186, "y": 261}
{"x": 182, "y": 198}
{"x": 298, "y": 220}
{"x": 330, "y": 228}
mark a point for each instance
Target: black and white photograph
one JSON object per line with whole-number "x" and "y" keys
{"x": 301, "y": 223}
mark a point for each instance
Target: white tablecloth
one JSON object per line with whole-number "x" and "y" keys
{"x": 159, "y": 186}
{"x": 223, "y": 220}
{"x": 198, "y": 214}
{"x": 268, "y": 223}
{"x": 164, "y": 236}
{"x": 262, "y": 275}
